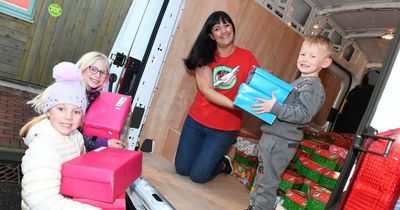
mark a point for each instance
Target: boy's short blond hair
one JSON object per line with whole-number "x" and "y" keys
{"x": 322, "y": 41}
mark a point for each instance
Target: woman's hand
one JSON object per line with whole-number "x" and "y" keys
{"x": 265, "y": 105}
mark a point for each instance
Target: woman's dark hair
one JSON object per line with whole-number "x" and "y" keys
{"x": 202, "y": 52}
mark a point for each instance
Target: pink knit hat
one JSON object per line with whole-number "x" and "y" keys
{"x": 67, "y": 88}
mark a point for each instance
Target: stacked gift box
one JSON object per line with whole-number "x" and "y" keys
{"x": 118, "y": 204}
{"x": 333, "y": 138}
{"x": 100, "y": 177}
{"x": 317, "y": 163}
{"x": 326, "y": 158}
{"x": 318, "y": 198}
{"x": 245, "y": 159}
{"x": 290, "y": 180}
{"x": 311, "y": 170}
{"x": 261, "y": 84}
{"x": 295, "y": 199}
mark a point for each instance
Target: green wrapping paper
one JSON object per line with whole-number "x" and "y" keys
{"x": 329, "y": 179}
{"x": 312, "y": 135}
{"x": 307, "y": 185}
{"x": 341, "y": 152}
{"x": 244, "y": 159}
{"x": 325, "y": 158}
{"x": 317, "y": 199}
{"x": 290, "y": 180}
{"x": 295, "y": 200}
{"x": 311, "y": 170}
{"x": 299, "y": 153}
{"x": 299, "y": 163}
{"x": 310, "y": 146}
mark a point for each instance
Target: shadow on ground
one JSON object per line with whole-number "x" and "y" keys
{"x": 10, "y": 196}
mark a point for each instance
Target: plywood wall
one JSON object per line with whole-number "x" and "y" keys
{"x": 273, "y": 43}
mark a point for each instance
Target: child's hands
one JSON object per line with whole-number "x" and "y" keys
{"x": 115, "y": 143}
{"x": 265, "y": 105}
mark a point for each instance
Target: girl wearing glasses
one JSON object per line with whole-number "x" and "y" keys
{"x": 95, "y": 68}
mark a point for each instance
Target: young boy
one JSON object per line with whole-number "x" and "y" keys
{"x": 279, "y": 141}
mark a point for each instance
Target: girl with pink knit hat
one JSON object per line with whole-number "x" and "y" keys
{"x": 53, "y": 139}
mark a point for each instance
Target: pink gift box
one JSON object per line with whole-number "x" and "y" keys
{"x": 119, "y": 203}
{"x": 102, "y": 174}
{"x": 106, "y": 116}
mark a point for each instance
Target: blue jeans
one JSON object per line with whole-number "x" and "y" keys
{"x": 200, "y": 151}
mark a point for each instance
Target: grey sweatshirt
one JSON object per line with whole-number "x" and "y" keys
{"x": 300, "y": 107}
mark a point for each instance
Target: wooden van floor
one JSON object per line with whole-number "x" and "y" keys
{"x": 223, "y": 192}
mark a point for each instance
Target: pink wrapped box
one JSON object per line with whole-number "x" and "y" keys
{"x": 106, "y": 116}
{"x": 119, "y": 203}
{"x": 102, "y": 174}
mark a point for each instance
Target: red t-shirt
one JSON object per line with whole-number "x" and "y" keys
{"x": 215, "y": 116}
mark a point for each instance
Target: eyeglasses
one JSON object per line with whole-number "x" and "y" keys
{"x": 93, "y": 71}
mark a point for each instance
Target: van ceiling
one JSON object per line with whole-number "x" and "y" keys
{"x": 364, "y": 22}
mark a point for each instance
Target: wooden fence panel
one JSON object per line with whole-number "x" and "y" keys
{"x": 30, "y": 50}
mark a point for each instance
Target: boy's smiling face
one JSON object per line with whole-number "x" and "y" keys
{"x": 312, "y": 58}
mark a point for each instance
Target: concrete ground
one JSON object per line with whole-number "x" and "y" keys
{"x": 10, "y": 196}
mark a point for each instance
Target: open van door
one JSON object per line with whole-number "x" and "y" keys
{"x": 382, "y": 114}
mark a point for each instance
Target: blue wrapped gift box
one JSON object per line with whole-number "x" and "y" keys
{"x": 260, "y": 84}
{"x": 245, "y": 99}
{"x": 266, "y": 82}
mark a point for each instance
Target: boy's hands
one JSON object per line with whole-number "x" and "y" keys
{"x": 115, "y": 143}
{"x": 265, "y": 105}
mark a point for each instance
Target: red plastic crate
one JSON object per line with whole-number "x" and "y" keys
{"x": 377, "y": 183}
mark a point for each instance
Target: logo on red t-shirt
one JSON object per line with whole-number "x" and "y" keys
{"x": 224, "y": 77}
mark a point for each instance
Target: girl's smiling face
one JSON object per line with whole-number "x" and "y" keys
{"x": 65, "y": 118}
{"x": 95, "y": 75}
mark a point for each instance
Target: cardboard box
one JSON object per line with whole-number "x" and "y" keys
{"x": 118, "y": 204}
{"x": 102, "y": 174}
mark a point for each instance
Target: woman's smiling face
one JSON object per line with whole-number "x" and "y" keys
{"x": 222, "y": 33}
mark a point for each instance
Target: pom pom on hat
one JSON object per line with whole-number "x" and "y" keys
{"x": 66, "y": 71}
{"x": 67, "y": 89}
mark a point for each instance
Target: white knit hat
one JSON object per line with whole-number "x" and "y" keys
{"x": 67, "y": 88}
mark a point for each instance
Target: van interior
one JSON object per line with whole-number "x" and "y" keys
{"x": 146, "y": 48}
